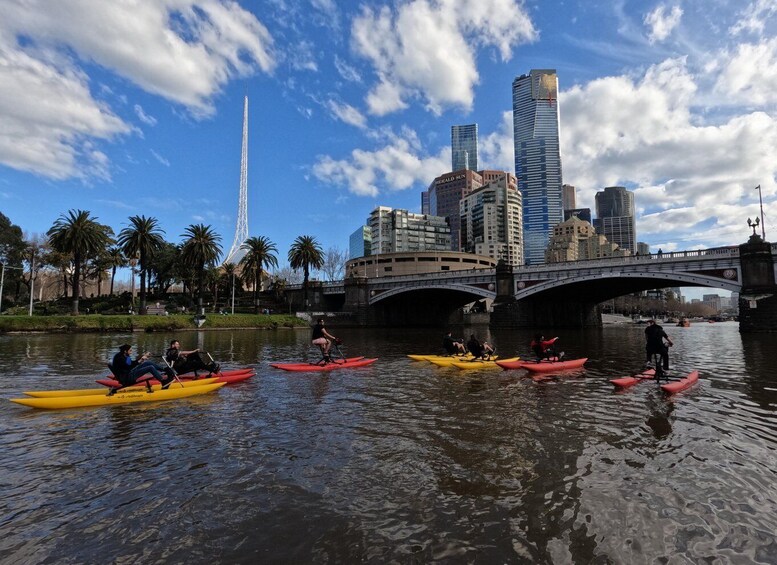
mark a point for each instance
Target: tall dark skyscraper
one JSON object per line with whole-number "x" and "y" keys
{"x": 464, "y": 147}
{"x": 537, "y": 158}
{"x": 615, "y": 218}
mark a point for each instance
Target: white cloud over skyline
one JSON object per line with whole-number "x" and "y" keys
{"x": 684, "y": 115}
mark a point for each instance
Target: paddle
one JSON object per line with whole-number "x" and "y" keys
{"x": 175, "y": 374}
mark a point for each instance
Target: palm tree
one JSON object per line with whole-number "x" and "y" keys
{"x": 304, "y": 253}
{"x": 260, "y": 253}
{"x": 200, "y": 249}
{"x": 116, "y": 259}
{"x": 79, "y": 235}
{"x": 141, "y": 239}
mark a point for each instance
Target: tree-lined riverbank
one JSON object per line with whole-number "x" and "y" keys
{"x": 122, "y": 323}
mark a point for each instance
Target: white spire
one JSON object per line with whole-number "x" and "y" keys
{"x": 241, "y": 232}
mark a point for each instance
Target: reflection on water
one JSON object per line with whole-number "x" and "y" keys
{"x": 400, "y": 461}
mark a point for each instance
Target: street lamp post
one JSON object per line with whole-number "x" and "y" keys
{"x": 753, "y": 224}
{"x": 32, "y": 281}
{"x": 761, "y": 201}
{"x": 233, "y": 292}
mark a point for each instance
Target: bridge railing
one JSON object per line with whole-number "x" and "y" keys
{"x": 651, "y": 258}
{"x": 485, "y": 273}
{"x": 670, "y": 256}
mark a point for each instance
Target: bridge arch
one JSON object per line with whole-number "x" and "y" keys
{"x": 476, "y": 292}
{"x": 630, "y": 282}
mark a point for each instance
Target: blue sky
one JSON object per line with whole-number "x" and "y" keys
{"x": 136, "y": 108}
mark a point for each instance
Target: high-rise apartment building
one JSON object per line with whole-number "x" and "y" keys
{"x": 643, "y": 248}
{"x": 445, "y": 193}
{"x": 425, "y": 208}
{"x": 464, "y": 147}
{"x": 491, "y": 219}
{"x": 537, "y": 158}
{"x": 615, "y": 217}
{"x": 360, "y": 243}
{"x": 396, "y": 231}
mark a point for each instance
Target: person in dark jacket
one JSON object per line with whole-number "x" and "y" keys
{"x": 479, "y": 349}
{"x": 655, "y": 344}
{"x": 453, "y": 346}
{"x": 187, "y": 361}
{"x": 323, "y": 339}
{"x": 127, "y": 371}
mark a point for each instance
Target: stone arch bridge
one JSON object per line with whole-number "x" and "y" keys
{"x": 559, "y": 294}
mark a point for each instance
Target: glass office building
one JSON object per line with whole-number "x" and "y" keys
{"x": 537, "y": 158}
{"x": 360, "y": 243}
{"x": 464, "y": 147}
{"x": 615, "y": 216}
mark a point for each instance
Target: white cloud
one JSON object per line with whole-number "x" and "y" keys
{"x": 159, "y": 158}
{"x": 347, "y": 113}
{"x": 145, "y": 118}
{"x": 642, "y": 133}
{"x": 48, "y": 117}
{"x": 749, "y": 75}
{"x": 183, "y": 50}
{"x": 406, "y": 48}
{"x": 347, "y": 71}
{"x": 753, "y": 17}
{"x": 662, "y": 21}
{"x": 496, "y": 150}
{"x": 394, "y": 167}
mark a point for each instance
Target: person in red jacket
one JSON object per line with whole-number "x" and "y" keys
{"x": 544, "y": 348}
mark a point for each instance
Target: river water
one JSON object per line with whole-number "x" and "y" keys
{"x": 400, "y": 462}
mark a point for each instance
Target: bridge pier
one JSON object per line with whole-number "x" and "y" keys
{"x": 758, "y": 299}
{"x": 546, "y": 314}
{"x": 538, "y": 313}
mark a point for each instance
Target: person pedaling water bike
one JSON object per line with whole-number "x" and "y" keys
{"x": 188, "y": 361}
{"x": 544, "y": 348}
{"x": 453, "y": 346}
{"x": 655, "y": 345}
{"x": 479, "y": 350}
{"x": 323, "y": 339}
{"x": 127, "y": 371}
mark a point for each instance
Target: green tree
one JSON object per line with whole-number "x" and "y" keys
{"x": 260, "y": 253}
{"x": 200, "y": 249}
{"x": 79, "y": 235}
{"x": 305, "y": 252}
{"x": 12, "y": 248}
{"x": 141, "y": 240}
{"x": 116, "y": 259}
{"x": 164, "y": 267}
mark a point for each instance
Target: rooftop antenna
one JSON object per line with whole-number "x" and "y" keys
{"x": 241, "y": 231}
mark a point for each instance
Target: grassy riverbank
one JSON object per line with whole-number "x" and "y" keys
{"x": 124, "y": 323}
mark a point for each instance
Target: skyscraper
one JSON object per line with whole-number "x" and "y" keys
{"x": 615, "y": 218}
{"x": 446, "y": 191}
{"x": 464, "y": 147}
{"x": 537, "y": 158}
{"x": 491, "y": 223}
{"x": 568, "y": 200}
